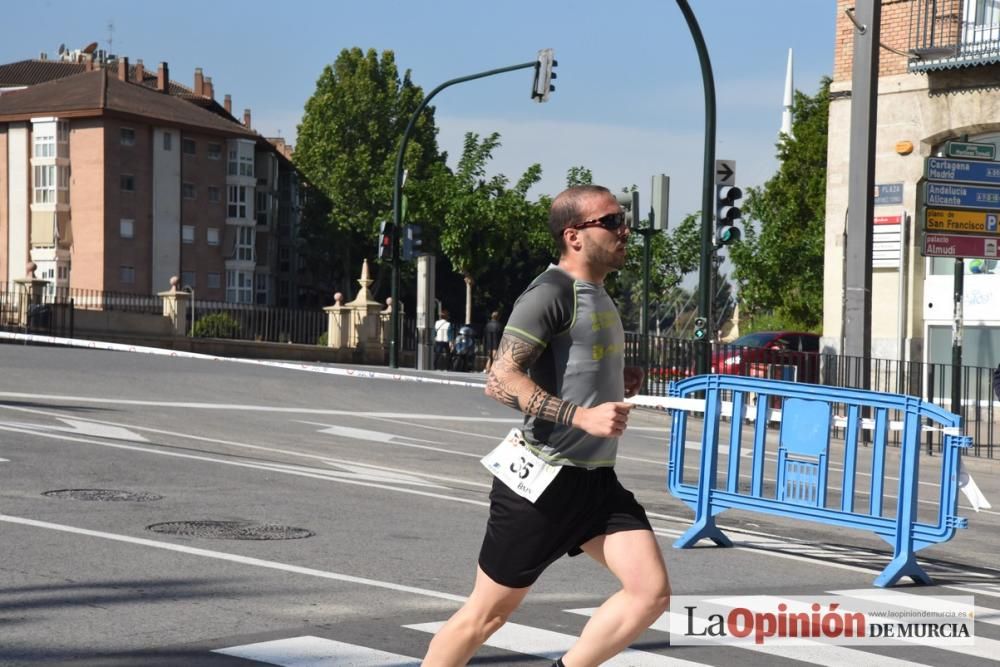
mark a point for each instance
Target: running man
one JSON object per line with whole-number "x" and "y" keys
{"x": 561, "y": 363}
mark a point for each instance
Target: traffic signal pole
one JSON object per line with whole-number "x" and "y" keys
{"x": 397, "y": 189}
{"x": 702, "y": 347}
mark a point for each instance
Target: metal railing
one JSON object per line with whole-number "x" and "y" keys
{"x": 673, "y": 359}
{"x": 946, "y": 34}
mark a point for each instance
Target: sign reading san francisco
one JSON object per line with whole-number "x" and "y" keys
{"x": 973, "y": 222}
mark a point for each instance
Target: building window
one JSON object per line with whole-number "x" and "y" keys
{"x": 237, "y": 201}
{"x": 127, "y": 183}
{"x": 45, "y": 184}
{"x": 245, "y": 237}
{"x": 239, "y": 286}
{"x": 212, "y": 236}
{"x": 980, "y": 24}
{"x": 168, "y": 141}
{"x": 126, "y": 228}
{"x": 261, "y": 280}
{"x": 215, "y": 151}
{"x": 187, "y": 233}
{"x": 213, "y": 194}
{"x": 187, "y": 279}
{"x": 246, "y": 165}
{"x": 263, "y": 207}
{"x": 189, "y": 146}
{"x": 126, "y": 275}
{"x": 241, "y": 160}
{"x": 214, "y": 280}
{"x": 62, "y": 185}
{"x": 189, "y": 191}
{"x": 284, "y": 257}
{"x": 127, "y": 135}
{"x": 62, "y": 130}
{"x": 45, "y": 140}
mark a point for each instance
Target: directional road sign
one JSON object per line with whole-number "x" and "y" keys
{"x": 962, "y": 196}
{"x": 725, "y": 172}
{"x": 963, "y": 171}
{"x": 968, "y": 149}
{"x": 961, "y": 221}
{"x": 960, "y": 245}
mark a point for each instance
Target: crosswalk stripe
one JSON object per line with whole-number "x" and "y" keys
{"x": 901, "y": 599}
{"x": 308, "y": 651}
{"x": 552, "y": 645}
{"x": 825, "y": 655}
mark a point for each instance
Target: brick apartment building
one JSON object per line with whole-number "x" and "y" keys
{"x": 113, "y": 178}
{"x": 938, "y": 71}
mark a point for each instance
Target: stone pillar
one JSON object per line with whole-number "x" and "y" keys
{"x": 365, "y": 315}
{"x": 30, "y": 293}
{"x": 338, "y": 319}
{"x": 175, "y": 307}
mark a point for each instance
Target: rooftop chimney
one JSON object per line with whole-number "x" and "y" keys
{"x": 163, "y": 78}
{"x": 140, "y": 71}
{"x": 246, "y": 118}
{"x": 123, "y": 69}
{"x": 199, "y": 82}
{"x": 209, "y": 88}
{"x": 227, "y": 104}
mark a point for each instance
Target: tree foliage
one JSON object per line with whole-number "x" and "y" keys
{"x": 347, "y": 145}
{"x": 779, "y": 264}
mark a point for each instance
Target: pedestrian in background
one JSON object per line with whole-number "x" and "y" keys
{"x": 491, "y": 338}
{"x": 444, "y": 340}
{"x": 561, "y": 362}
{"x": 996, "y": 382}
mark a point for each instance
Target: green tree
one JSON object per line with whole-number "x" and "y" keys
{"x": 347, "y": 145}
{"x": 779, "y": 264}
{"x": 487, "y": 220}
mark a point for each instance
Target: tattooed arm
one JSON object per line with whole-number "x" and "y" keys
{"x": 509, "y": 384}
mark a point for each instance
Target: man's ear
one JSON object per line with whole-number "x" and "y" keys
{"x": 572, "y": 238}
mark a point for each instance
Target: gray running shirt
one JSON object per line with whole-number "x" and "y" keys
{"x": 583, "y": 361}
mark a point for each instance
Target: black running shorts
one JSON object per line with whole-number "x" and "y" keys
{"x": 522, "y": 539}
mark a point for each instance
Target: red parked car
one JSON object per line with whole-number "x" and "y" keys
{"x": 782, "y": 355}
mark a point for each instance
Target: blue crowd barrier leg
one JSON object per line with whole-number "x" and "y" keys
{"x": 903, "y": 565}
{"x": 701, "y": 529}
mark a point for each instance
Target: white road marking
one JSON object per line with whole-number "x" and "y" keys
{"x": 233, "y": 558}
{"x": 244, "y": 407}
{"x": 901, "y": 599}
{"x": 552, "y": 645}
{"x": 818, "y": 654}
{"x": 310, "y": 651}
{"x": 88, "y": 428}
{"x": 386, "y": 438}
{"x": 332, "y": 476}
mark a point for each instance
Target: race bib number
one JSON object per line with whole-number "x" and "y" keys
{"x": 516, "y": 466}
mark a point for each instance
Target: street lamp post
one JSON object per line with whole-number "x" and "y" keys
{"x": 702, "y": 347}
{"x": 397, "y": 213}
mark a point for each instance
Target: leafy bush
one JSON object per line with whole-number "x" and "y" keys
{"x": 323, "y": 339}
{"x": 216, "y": 325}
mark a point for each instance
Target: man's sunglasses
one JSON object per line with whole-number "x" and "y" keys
{"x": 611, "y": 222}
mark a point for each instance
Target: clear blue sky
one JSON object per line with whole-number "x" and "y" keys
{"x": 628, "y": 100}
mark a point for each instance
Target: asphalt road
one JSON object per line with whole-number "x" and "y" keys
{"x": 130, "y": 484}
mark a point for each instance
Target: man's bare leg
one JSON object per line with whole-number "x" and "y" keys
{"x": 486, "y": 610}
{"x": 634, "y": 557}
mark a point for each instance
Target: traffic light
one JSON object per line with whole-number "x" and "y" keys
{"x": 629, "y": 201}
{"x": 726, "y": 214}
{"x": 411, "y": 241}
{"x": 544, "y": 75}
{"x": 700, "y": 328}
{"x": 385, "y": 241}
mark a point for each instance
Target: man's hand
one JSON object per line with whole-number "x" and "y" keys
{"x": 633, "y": 380}
{"x": 607, "y": 420}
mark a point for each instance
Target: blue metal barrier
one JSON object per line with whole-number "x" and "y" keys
{"x": 802, "y": 487}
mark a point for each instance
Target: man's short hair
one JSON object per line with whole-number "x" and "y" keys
{"x": 565, "y": 210}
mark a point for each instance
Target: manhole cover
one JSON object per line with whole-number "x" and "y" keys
{"x": 104, "y": 495}
{"x": 231, "y": 530}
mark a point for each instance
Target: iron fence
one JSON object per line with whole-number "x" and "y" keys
{"x": 49, "y": 317}
{"x": 673, "y": 359}
{"x": 945, "y": 34}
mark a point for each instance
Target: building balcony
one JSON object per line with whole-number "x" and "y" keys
{"x": 950, "y": 34}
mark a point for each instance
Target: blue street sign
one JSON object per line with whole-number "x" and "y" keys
{"x": 962, "y": 196}
{"x": 962, "y": 171}
{"x": 888, "y": 193}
